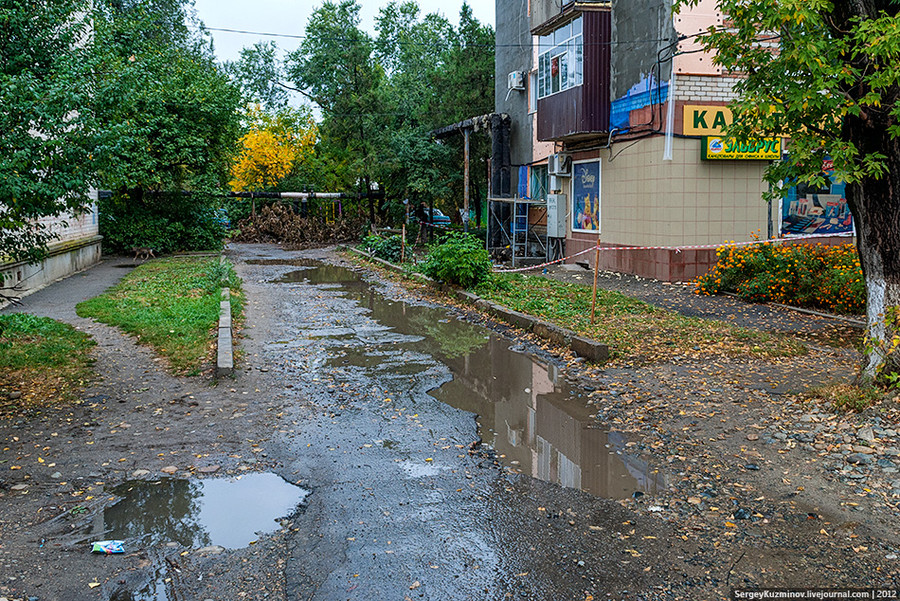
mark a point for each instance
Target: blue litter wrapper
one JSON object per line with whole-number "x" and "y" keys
{"x": 108, "y": 546}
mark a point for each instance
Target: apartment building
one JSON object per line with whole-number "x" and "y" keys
{"x": 616, "y": 115}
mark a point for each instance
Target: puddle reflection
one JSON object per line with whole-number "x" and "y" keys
{"x": 526, "y": 410}
{"x": 228, "y": 512}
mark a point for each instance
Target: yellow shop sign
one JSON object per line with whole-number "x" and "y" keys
{"x": 717, "y": 148}
{"x": 706, "y": 120}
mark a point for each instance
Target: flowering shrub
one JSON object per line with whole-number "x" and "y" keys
{"x": 815, "y": 276}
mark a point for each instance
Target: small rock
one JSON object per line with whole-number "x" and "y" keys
{"x": 140, "y": 473}
{"x": 694, "y": 500}
{"x": 211, "y": 550}
{"x": 780, "y": 436}
{"x": 169, "y": 469}
{"x": 210, "y": 469}
{"x": 56, "y": 475}
{"x": 14, "y": 395}
{"x": 742, "y": 514}
{"x": 885, "y": 463}
{"x": 859, "y": 459}
{"x": 18, "y": 487}
{"x": 807, "y": 418}
{"x": 866, "y": 434}
{"x": 753, "y": 437}
{"x": 858, "y": 448}
{"x": 892, "y": 451}
{"x": 856, "y": 476}
{"x": 890, "y": 432}
{"x": 752, "y": 467}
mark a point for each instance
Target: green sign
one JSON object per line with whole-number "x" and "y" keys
{"x": 717, "y": 148}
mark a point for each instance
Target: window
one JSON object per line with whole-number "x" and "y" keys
{"x": 539, "y": 183}
{"x": 561, "y": 59}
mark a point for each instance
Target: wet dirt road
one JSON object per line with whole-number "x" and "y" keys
{"x": 373, "y": 446}
{"x": 380, "y": 421}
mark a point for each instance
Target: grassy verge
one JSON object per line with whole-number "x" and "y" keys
{"x": 172, "y": 305}
{"x": 42, "y": 361}
{"x": 635, "y": 330}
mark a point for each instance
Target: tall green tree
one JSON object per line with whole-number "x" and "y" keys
{"x": 336, "y": 68}
{"x": 168, "y": 120}
{"x": 45, "y": 132}
{"x": 169, "y": 115}
{"x": 826, "y": 74}
{"x": 259, "y": 73}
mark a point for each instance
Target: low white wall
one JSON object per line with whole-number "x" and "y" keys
{"x": 65, "y": 258}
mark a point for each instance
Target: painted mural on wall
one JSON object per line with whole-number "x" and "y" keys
{"x": 808, "y": 210}
{"x": 586, "y": 197}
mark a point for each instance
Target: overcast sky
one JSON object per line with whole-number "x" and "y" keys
{"x": 290, "y": 17}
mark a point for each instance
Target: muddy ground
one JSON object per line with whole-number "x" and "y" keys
{"x": 674, "y": 481}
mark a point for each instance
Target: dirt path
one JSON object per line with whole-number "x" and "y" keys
{"x": 365, "y": 397}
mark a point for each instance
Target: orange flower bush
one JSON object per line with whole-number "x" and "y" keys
{"x": 804, "y": 275}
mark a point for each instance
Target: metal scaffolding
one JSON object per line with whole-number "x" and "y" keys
{"x": 512, "y": 224}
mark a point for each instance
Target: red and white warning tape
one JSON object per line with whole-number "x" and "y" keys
{"x": 677, "y": 249}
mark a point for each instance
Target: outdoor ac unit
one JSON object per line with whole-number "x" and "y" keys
{"x": 516, "y": 80}
{"x": 559, "y": 164}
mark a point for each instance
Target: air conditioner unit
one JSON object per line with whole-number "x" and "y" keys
{"x": 516, "y": 80}
{"x": 559, "y": 164}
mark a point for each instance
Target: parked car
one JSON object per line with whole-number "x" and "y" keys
{"x": 438, "y": 218}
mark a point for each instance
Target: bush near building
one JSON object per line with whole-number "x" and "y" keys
{"x": 813, "y": 276}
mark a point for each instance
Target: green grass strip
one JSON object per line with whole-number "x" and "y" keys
{"x": 172, "y": 305}
{"x": 41, "y": 359}
{"x": 634, "y": 329}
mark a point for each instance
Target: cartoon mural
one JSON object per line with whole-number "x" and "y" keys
{"x": 808, "y": 210}
{"x": 586, "y": 197}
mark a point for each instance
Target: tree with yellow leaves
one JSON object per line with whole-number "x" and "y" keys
{"x": 273, "y": 145}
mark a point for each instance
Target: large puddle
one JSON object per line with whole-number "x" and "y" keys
{"x": 228, "y": 512}
{"x": 526, "y": 410}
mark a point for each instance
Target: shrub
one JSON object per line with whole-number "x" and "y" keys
{"x": 165, "y": 224}
{"x": 388, "y": 248}
{"x": 460, "y": 259}
{"x": 816, "y": 276}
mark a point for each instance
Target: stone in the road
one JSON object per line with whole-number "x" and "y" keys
{"x": 210, "y": 469}
{"x": 140, "y": 473}
{"x": 858, "y": 448}
{"x": 169, "y": 469}
{"x": 866, "y": 434}
{"x": 859, "y": 459}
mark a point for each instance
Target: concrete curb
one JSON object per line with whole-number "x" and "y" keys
{"x": 225, "y": 345}
{"x": 591, "y": 350}
{"x": 411, "y": 275}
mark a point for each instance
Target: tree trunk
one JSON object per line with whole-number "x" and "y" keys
{"x": 875, "y": 204}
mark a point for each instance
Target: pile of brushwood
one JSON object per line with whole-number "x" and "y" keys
{"x": 279, "y": 224}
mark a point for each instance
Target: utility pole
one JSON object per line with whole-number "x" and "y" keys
{"x": 466, "y": 180}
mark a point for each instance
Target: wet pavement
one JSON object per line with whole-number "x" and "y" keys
{"x": 375, "y": 446}
{"x": 413, "y": 429}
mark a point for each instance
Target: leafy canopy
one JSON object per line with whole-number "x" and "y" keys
{"x": 272, "y": 146}
{"x": 169, "y": 115}
{"x": 815, "y": 69}
{"x": 45, "y": 130}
